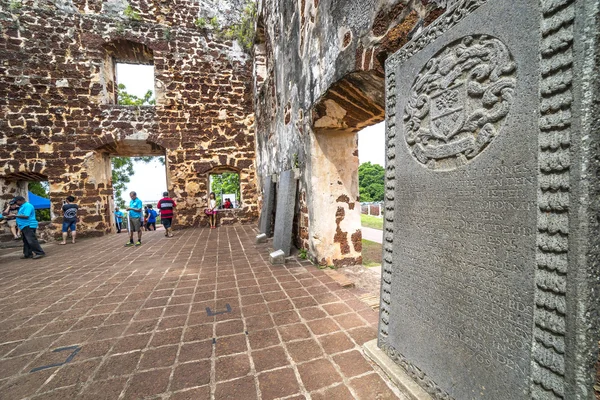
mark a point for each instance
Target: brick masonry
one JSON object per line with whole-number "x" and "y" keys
{"x": 59, "y": 121}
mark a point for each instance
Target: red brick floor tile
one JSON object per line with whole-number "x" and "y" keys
{"x": 131, "y": 342}
{"x": 371, "y": 387}
{"x": 255, "y": 309}
{"x": 164, "y": 338}
{"x": 352, "y": 363}
{"x": 273, "y": 357}
{"x": 24, "y": 385}
{"x": 141, "y": 327}
{"x": 148, "y": 383}
{"x": 286, "y": 318}
{"x": 336, "y": 308}
{"x": 196, "y": 351}
{"x": 198, "y": 332}
{"x": 69, "y": 392}
{"x": 176, "y": 310}
{"x": 149, "y": 313}
{"x": 312, "y": 313}
{"x": 230, "y": 345}
{"x": 323, "y": 326}
{"x": 275, "y": 296}
{"x": 304, "y": 302}
{"x": 33, "y": 345}
{"x": 363, "y": 334}
{"x": 280, "y": 305}
{"x": 249, "y": 290}
{"x": 304, "y": 350}
{"x": 259, "y": 322}
{"x": 264, "y": 338}
{"x": 339, "y": 392}
{"x": 95, "y": 349}
{"x": 243, "y": 388}
{"x": 348, "y": 321}
{"x": 186, "y": 299}
{"x": 294, "y": 332}
{"x": 318, "y": 374}
{"x": 231, "y": 367}
{"x": 278, "y": 383}
{"x": 159, "y": 357}
{"x": 201, "y": 393}
{"x": 335, "y": 342}
{"x": 115, "y": 366}
{"x": 191, "y": 375}
{"x": 324, "y": 298}
{"x": 72, "y": 374}
{"x": 108, "y": 332}
{"x": 230, "y": 327}
{"x": 104, "y": 390}
{"x": 73, "y": 338}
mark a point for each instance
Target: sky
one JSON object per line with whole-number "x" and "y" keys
{"x": 150, "y": 181}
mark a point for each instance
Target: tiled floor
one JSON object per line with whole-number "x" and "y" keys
{"x": 135, "y": 323}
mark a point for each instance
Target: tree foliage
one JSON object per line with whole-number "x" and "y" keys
{"x": 126, "y": 99}
{"x": 226, "y": 183}
{"x": 371, "y": 182}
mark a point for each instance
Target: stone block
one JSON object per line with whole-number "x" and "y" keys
{"x": 262, "y": 238}
{"x": 484, "y": 266}
{"x": 277, "y": 257}
{"x": 284, "y": 216}
{"x": 266, "y": 214}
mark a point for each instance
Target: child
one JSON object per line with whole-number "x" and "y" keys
{"x": 151, "y": 222}
{"x": 12, "y": 209}
{"x": 212, "y": 210}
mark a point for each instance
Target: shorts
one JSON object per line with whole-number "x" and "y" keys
{"x": 136, "y": 224}
{"x": 166, "y": 222}
{"x": 11, "y": 222}
{"x": 67, "y": 225}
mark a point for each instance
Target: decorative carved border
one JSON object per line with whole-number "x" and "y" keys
{"x": 456, "y": 13}
{"x": 556, "y": 77}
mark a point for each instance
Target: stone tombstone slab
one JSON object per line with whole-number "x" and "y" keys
{"x": 284, "y": 214}
{"x": 266, "y": 213}
{"x": 490, "y": 272}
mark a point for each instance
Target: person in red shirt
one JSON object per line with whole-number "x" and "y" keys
{"x": 166, "y": 206}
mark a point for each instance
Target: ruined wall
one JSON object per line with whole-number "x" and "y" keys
{"x": 318, "y": 80}
{"x": 58, "y": 120}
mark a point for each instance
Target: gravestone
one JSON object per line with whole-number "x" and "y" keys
{"x": 491, "y": 231}
{"x": 284, "y": 214}
{"x": 266, "y": 213}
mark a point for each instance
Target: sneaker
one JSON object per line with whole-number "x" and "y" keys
{"x": 138, "y": 243}
{"x": 128, "y": 244}
{"x": 36, "y": 256}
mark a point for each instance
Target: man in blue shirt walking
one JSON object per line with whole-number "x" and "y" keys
{"x": 134, "y": 216}
{"x": 28, "y": 225}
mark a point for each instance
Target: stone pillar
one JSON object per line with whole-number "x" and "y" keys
{"x": 334, "y": 229}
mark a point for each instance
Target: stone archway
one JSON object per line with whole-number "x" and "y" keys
{"x": 352, "y": 103}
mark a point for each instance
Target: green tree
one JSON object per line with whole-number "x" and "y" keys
{"x": 226, "y": 183}
{"x": 371, "y": 182}
{"x": 126, "y": 99}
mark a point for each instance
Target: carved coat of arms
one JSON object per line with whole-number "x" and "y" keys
{"x": 459, "y": 101}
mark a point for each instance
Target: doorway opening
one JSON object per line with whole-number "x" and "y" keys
{"x": 226, "y": 187}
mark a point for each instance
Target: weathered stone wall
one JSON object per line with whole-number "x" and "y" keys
{"x": 58, "y": 120}
{"x": 319, "y": 79}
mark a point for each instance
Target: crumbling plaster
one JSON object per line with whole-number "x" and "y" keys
{"x": 323, "y": 81}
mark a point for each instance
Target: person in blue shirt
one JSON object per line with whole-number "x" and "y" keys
{"x": 28, "y": 225}
{"x": 134, "y": 219}
{"x": 118, "y": 219}
{"x": 151, "y": 222}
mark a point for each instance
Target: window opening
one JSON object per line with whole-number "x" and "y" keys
{"x": 135, "y": 84}
{"x": 226, "y": 187}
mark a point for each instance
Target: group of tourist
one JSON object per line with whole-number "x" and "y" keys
{"x": 141, "y": 217}
{"x": 20, "y": 216}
